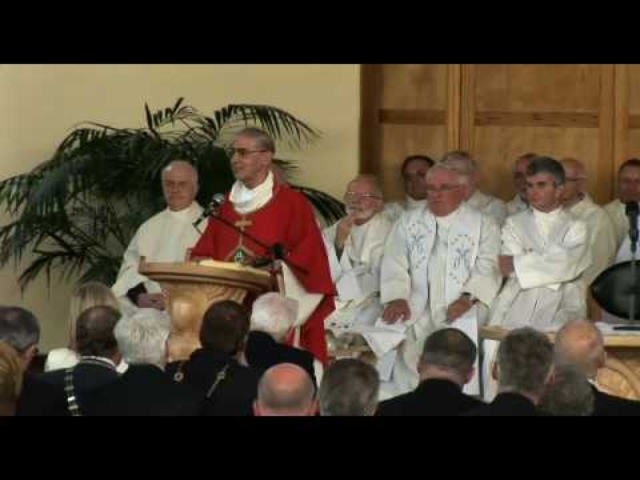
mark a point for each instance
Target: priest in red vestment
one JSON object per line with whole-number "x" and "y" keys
{"x": 274, "y": 214}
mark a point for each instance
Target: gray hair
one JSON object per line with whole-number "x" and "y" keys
{"x": 462, "y": 178}
{"x": 461, "y": 160}
{"x": 19, "y": 328}
{"x": 186, "y": 163}
{"x": 450, "y": 349}
{"x": 275, "y": 314}
{"x": 142, "y": 337}
{"x": 263, "y": 140}
{"x": 349, "y": 387}
{"x": 525, "y": 360}
{"x": 549, "y": 166}
{"x": 570, "y": 394}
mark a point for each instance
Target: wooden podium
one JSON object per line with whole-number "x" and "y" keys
{"x": 621, "y": 373}
{"x": 190, "y": 288}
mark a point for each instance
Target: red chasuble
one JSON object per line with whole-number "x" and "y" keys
{"x": 286, "y": 219}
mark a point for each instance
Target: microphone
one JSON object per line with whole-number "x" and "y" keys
{"x": 632, "y": 210}
{"x": 216, "y": 202}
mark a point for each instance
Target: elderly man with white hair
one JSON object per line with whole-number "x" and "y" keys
{"x": 484, "y": 203}
{"x": 355, "y": 245}
{"x": 440, "y": 268}
{"x": 165, "y": 237}
{"x": 272, "y": 317}
{"x": 144, "y": 389}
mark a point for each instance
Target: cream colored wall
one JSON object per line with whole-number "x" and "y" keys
{"x": 39, "y": 104}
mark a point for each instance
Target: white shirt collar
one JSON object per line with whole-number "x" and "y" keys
{"x": 183, "y": 215}
{"x": 246, "y": 199}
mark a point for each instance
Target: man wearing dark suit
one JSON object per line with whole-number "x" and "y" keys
{"x": 272, "y": 317}
{"x": 580, "y": 343}
{"x": 230, "y": 388}
{"x": 445, "y": 367}
{"x": 144, "y": 389}
{"x": 20, "y": 329}
{"x": 63, "y": 392}
{"x": 523, "y": 370}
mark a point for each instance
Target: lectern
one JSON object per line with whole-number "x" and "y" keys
{"x": 190, "y": 288}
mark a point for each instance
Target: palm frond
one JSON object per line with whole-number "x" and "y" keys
{"x": 329, "y": 207}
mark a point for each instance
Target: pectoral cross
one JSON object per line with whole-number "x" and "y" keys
{"x": 243, "y": 223}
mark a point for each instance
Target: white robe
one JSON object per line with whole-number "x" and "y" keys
{"x": 356, "y": 273}
{"x": 602, "y": 238}
{"x": 430, "y": 262}
{"x": 489, "y": 205}
{"x": 516, "y": 205}
{"x": 394, "y": 210}
{"x": 546, "y": 288}
{"x": 616, "y": 212}
{"x": 165, "y": 237}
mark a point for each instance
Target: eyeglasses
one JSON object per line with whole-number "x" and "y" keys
{"x": 442, "y": 188}
{"x": 359, "y": 196}
{"x": 242, "y": 152}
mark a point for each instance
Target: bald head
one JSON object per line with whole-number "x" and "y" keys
{"x": 580, "y": 343}
{"x": 179, "y": 184}
{"x": 575, "y": 181}
{"x": 285, "y": 390}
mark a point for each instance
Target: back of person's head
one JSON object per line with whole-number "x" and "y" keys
{"x": 549, "y": 166}
{"x": 580, "y": 343}
{"x": 20, "y": 329}
{"x": 570, "y": 394}
{"x": 285, "y": 390}
{"x": 94, "y": 332}
{"x": 11, "y": 372}
{"x": 448, "y": 352}
{"x": 225, "y": 327}
{"x": 87, "y": 295}
{"x": 349, "y": 387}
{"x": 142, "y": 337}
{"x": 275, "y": 314}
{"x": 525, "y": 362}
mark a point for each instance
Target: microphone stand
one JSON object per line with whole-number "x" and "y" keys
{"x": 634, "y": 282}
{"x": 633, "y": 237}
{"x": 276, "y": 251}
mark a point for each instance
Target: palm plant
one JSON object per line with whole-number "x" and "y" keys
{"x": 76, "y": 212}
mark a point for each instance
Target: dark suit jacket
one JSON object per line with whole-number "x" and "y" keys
{"x": 263, "y": 352}
{"x": 44, "y": 394}
{"x": 606, "y": 405}
{"x": 234, "y": 396}
{"x": 507, "y": 405}
{"x": 432, "y": 398}
{"x": 144, "y": 390}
